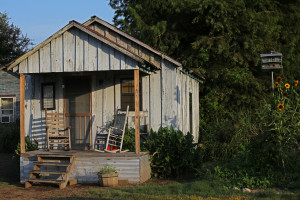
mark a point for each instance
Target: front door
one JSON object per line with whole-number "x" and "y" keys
{"x": 77, "y": 97}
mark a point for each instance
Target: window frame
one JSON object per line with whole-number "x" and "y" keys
{"x": 13, "y": 115}
{"x": 141, "y": 93}
{"x": 53, "y": 98}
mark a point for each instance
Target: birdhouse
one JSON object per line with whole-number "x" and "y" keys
{"x": 271, "y": 61}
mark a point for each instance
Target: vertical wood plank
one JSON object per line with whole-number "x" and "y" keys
{"x": 22, "y": 112}
{"x": 69, "y": 51}
{"x": 137, "y": 110}
{"x": 57, "y": 53}
{"x": 92, "y": 52}
{"x": 45, "y": 60}
{"x": 79, "y": 51}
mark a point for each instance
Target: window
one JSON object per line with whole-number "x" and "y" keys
{"x": 7, "y": 106}
{"x": 127, "y": 94}
{"x": 48, "y": 96}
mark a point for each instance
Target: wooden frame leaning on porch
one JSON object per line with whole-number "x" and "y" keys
{"x": 115, "y": 134}
{"x": 56, "y": 131}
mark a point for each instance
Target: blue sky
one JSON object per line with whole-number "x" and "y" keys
{"x": 39, "y": 19}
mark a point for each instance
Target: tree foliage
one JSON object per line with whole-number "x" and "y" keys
{"x": 12, "y": 42}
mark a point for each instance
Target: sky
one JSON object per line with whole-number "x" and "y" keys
{"x": 39, "y": 19}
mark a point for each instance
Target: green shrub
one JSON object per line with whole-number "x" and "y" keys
{"x": 9, "y": 137}
{"x": 173, "y": 155}
{"x": 129, "y": 139}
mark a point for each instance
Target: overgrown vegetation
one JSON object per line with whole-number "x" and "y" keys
{"x": 272, "y": 157}
{"x": 9, "y": 137}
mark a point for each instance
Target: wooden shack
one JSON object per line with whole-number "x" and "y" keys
{"x": 88, "y": 70}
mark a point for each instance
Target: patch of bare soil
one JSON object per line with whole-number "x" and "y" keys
{"x": 10, "y": 188}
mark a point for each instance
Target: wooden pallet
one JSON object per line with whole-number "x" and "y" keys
{"x": 52, "y": 169}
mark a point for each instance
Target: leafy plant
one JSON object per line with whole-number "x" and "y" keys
{"x": 106, "y": 169}
{"x": 29, "y": 146}
{"x": 173, "y": 154}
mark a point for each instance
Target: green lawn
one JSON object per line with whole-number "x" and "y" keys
{"x": 200, "y": 189}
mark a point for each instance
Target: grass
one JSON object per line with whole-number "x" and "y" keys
{"x": 194, "y": 190}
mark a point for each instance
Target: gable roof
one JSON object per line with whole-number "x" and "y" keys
{"x": 83, "y": 28}
{"x": 138, "y": 56}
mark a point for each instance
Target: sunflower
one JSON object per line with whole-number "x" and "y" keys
{"x": 280, "y": 107}
{"x": 279, "y": 79}
{"x": 296, "y": 82}
{"x": 287, "y": 85}
{"x": 276, "y": 84}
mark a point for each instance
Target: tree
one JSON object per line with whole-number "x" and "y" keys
{"x": 12, "y": 42}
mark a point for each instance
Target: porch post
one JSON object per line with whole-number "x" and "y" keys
{"x": 137, "y": 110}
{"x": 22, "y": 113}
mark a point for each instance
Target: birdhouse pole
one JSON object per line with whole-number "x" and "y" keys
{"x": 271, "y": 61}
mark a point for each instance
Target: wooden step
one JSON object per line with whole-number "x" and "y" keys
{"x": 54, "y": 181}
{"x": 54, "y": 156}
{"x": 58, "y": 136}
{"x": 58, "y": 142}
{"x": 46, "y": 172}
{"x": 52, "y": 164}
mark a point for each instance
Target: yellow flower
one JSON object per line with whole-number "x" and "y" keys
{"x": 296, "y": 82}
{"x": 279, "y": 79}
{"x": 287, "y": 85}
{"x": 280, "y": 107}
{"x": 276, "y": 84}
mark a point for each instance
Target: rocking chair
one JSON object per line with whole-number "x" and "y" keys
{"x": 115, "y": 134}
{"x": 56, "y": 130}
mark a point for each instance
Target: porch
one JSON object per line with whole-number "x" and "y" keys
{"x": 132, "y": 168}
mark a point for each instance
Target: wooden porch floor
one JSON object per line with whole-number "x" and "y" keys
{"x": 81, "y": 153}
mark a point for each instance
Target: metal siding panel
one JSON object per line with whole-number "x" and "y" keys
{"x": 45, "y": 59}
{"x": 69, "y": 51}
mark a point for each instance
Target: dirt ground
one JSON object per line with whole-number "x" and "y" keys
{"x": 10, "y": 188}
